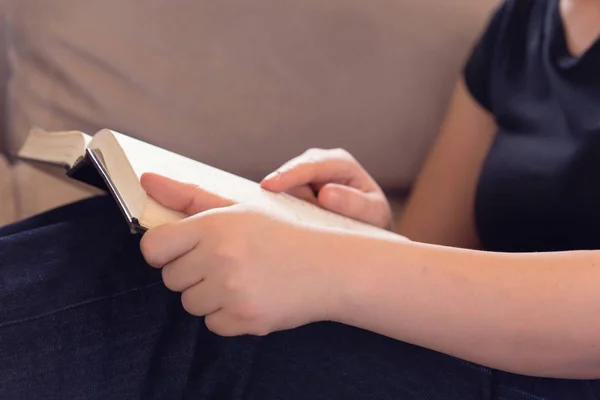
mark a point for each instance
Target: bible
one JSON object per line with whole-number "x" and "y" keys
{"x": 115, "y": 162}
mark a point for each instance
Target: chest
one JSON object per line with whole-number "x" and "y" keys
{"x": 539, "y": 189}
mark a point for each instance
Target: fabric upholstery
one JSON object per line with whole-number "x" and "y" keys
{"x": 242, "y": 86}
{"x": 7, "y": 200}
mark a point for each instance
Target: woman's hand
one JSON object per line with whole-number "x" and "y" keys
{"x": 246, "y": 271}
{"x": 334, "y": 180}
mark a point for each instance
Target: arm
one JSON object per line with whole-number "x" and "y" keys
{"x": 525, "y": 313}
{"x": 533, "y": 314}
{"x": 441, "y": 207}
{"x": 511, "y": 312}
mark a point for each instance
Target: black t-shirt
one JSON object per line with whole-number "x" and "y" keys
{"x": 540, "y": 185}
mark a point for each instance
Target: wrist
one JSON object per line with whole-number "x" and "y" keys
{"x": 356, "y": 265}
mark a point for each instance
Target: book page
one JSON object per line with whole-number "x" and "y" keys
{"x": 60, "y": 148}
{"x": 147, "y": 158}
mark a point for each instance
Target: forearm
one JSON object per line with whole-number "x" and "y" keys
{"x": 534, "y": 314}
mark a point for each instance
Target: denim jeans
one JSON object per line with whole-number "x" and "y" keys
{"x": 83, "y": 317}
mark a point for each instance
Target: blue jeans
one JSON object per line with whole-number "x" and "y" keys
{"x": 83, "y": 317}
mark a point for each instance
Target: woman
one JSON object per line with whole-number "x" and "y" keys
{"x": 493, "y": 297}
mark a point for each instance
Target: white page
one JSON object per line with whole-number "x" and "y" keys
{"x": 147, "y": 158}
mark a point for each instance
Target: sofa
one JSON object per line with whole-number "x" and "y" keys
{"x": 240, "y": 85}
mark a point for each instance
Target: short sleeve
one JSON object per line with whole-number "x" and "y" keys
{"x": 479, "y": 68}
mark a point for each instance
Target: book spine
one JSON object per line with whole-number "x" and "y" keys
{"x": 90, "y": 169}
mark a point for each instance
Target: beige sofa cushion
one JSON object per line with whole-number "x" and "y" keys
{"x": 243, "y": 86}
{"x": 39, "y": 188}
{"x": 7, "y": 203}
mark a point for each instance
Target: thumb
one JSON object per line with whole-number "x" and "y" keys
{"x": 182, "y": 197}
{"x": 351, "y": 202}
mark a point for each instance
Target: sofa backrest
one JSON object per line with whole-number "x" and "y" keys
{"x": 245, "y": 85}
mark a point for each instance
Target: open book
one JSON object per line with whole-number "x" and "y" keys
{"x": 115, "y": 162}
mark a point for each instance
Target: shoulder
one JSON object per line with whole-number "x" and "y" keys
{"x": 515, "y": 22}
{"x": 507, "y": 44}
{"x": 519, "y": 18}
{"x": 522, "y": 8}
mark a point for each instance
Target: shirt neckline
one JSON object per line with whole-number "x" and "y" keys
{"x": 565, "y": 57}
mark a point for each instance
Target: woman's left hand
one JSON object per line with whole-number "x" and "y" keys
{"x": 247, "y": 271}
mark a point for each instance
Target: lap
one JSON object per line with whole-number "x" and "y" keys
{"x": 83, "y": 317}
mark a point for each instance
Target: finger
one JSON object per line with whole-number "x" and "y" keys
{"x": 165, "y": 243}
{"x": 201, "y": 299}
{"x": 305, "y": 193}
{"x": 222, "y": 324}
{"x": 182, "y": 197}
{"x": 185, "y": 271}
{"x": 352, "y": 203}
{"x": 318, "y": 167}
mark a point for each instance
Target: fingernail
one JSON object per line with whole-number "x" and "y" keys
{"x": 272, "y": 175}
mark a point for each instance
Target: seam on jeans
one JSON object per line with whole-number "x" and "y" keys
{"x": 476, "y": 367}
{"x": 527, "y": 395}
{"x": 76, "y": 305}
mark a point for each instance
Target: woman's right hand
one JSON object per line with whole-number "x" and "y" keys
{"x": 334, "y": 180}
